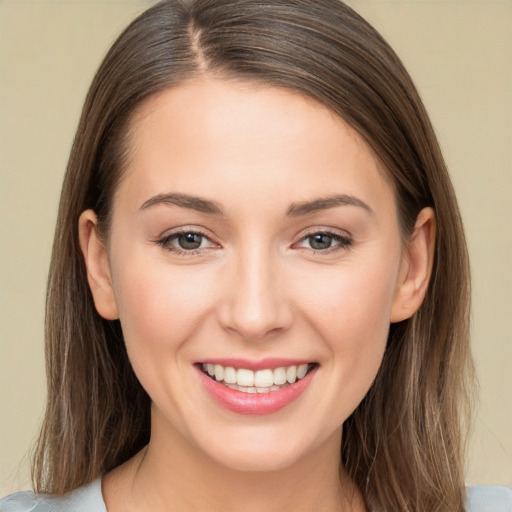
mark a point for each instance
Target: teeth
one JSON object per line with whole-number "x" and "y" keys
{"x": 291, "y": 374}
{"x": 252, "y": 389}
{"x": 302, "y": 370}
{"x": 263, "y": 378}
{"x": 245, "y": 389}
{"x": 279, "y": 376}
{"x": 229, "y": 375}
{"x": 260, "y": 381}
{"x": 219, "y": 372}
{"x": 245, "y": 377}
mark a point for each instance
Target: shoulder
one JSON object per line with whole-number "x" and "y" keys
{"x": 489, "y": 498}
{"x": 84, "y": 499}
{"x": 480, "y": 498}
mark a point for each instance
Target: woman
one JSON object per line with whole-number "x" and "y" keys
{"x": 259, "y": 289}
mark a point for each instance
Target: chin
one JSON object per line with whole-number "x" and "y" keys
{"x": 259, "y": 451}
{"x": 256, "y": 460}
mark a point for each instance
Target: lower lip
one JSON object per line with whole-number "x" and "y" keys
{"x": 255, "y": 403}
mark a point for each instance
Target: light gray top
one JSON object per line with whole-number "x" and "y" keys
{"x": 481, "y": 498}
{"x": 84, "y": 499}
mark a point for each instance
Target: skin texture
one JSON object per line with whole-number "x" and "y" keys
{"x": 255, "y": 288}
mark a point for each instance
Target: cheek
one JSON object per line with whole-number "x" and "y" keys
{"x": 351, "y": 313}
{"x": 160, "y": 306}
{"x": 352, "y": 303}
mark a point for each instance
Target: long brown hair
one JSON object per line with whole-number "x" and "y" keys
{"x": 403, "y": 444}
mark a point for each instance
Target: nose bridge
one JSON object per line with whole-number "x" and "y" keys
{"x": 256, "y": 305}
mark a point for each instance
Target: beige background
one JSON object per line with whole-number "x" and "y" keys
{"x": 460, "y": 54}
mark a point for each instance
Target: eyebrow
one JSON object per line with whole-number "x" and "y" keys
{"x": 184, "y": 201}
{"x": 324, "y": 203}
{"x": 295, "y": 209}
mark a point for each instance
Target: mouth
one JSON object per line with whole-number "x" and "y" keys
{"x": 267, "y": 380}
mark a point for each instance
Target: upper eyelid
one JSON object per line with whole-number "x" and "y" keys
{"x": 178, "y": 231}
{"x": 337, "y": 232}
{"x": 344, "y": 238}
{"x": 324, "y": 230}
{"x": 175, "y": 234}
{"x": 165, "y": 240}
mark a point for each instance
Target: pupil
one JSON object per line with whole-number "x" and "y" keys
{"x": 320, "y": 241}
{"x": 190, "y": 241}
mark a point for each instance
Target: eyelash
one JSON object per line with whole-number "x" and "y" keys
{"x": 165, "y": 242}
{"x": 342, "y": 242}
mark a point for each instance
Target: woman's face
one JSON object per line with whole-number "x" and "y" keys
{"x": 252, "y": 232}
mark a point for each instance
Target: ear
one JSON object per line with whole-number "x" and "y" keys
{"x": 97, "y": 265}
{"x": 416, "y": 267}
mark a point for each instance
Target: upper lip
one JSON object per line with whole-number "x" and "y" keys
{"x": 260, "y": 364}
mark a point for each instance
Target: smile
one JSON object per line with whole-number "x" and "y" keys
{"x": 259, "y": 381}
{"x": 264, "y": 389}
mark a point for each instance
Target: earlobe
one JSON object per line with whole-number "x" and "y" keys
{"x": 416, "y": 267}
{"x": 97, "y": 265}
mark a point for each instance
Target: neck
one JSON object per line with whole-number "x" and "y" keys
{"x": 171, "y": 473}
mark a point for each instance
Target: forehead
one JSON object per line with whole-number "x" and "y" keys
{"x": 246, "y": 137}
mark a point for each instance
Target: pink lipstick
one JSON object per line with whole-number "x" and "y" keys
{"x": 291, "y": 379}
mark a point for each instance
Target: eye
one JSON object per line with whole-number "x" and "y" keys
{"x": 186, "y": 242}
{"x": 320, "y": 241}
{"x": 324, "y": 241}
{"x": 189, "y": 241}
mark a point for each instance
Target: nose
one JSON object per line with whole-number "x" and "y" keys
{"x": 255, "y": 304}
